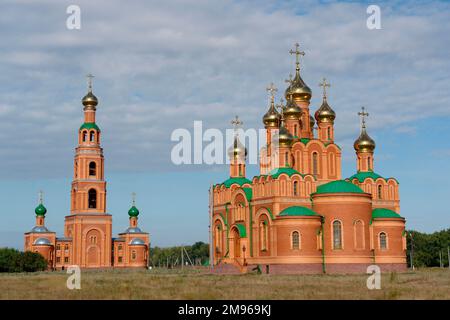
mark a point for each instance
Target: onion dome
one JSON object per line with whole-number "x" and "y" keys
{"x": 292, "y": 111}
{"x": 284, "y": 137}
{"x": 237, "y": 150}
{"x": 89, "y": 100}
{"x": 325, "y": 113}
{"x": 364, "y": 143}
{"x": 312, "y": 122}
{"x": 272, "y": 117}
{"x": 298, "y": 88}
{"x": 133, "y": 212}
{"x": 40, "y": 210}
{"x": 133, "y": 230}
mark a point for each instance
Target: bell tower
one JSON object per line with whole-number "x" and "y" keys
{"x": 88, "y": 224}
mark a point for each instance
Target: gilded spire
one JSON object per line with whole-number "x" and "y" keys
{"x": 272, "y": 118}
{"x": 325, "y": 113}
{"x": 89, "y": 100}
{"x": 364, "y": 143}
{"x": 298, "y": 88}
{"x": 237, "y": 150}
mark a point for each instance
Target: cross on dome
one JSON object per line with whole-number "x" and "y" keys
{"x": 363, "y": 116}
{"x": 324, "y": 86}
{"x": 297, "y": 53}
{"x": 89, "y": 77}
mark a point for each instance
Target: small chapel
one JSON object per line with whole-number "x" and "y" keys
{"x": 88, "y": 240}
{"x": 299, "y": 215}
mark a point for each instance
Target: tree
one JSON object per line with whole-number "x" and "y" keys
{"x": 12, "y": 260}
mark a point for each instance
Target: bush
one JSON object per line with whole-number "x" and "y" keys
{"x": 12, "y": 260}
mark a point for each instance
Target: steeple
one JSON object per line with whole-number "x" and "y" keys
{"x": 89, "y": 186}
{"x": 364, "y": 146}
{"x": 325, "y": 116}
{"x": 298, "y": 88}
{"x": 237, "y": 153}
{"x": 133, "y": 212}
{"x": 271, "y": 118}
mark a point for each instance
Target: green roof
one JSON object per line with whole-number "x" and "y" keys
{"x": 385, "y": 213}
{"x": 89, "y": 125}
{"x": 289, "y": 171}
{"x": 298, "y": 211}
{"x": 240, "y": 181}
{"x": 133, "y": 212}
{"x": 361, "y": 176}
{"x": 248, "y": 193}
{"x": 338, "y": 186}
{"x": 304, "y": 140}
{"x": 241, "y": 229}
{"x": 40, "y": 210}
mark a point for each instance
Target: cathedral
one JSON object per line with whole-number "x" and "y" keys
{"x": 88, "y": 240}
{"x": 299, "y": 215}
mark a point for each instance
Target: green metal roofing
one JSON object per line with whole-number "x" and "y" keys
{"x": 40, "y": 210}
{"x": 385, "y": 213}
{"x": 289, "y": 171}
{"x": 338, "y": 186}
{"x": 248, "y": 193}
{"x": 241, "y": 229}
{"x": 298, "y": 211}
{"x": 133, "y": 212}
{"x": 361, "y": 176}
{"x": 240, "y": 181}
{"x": 89, "y": 125}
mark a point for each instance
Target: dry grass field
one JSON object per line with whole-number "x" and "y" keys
{"x": 198, "y": 284}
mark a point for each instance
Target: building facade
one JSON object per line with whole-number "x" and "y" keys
{"x": 88, "y": 240}
{"x": 299, "y": 215}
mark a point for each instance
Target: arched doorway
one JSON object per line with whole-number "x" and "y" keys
{"x": 236, "y": 243}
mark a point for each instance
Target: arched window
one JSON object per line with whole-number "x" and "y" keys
{"x": 92, "y": 199}
{"x": 295, "y": 240}
{"x": 92, "y": 136}
{"x": 329, "y": 133}
{"x": 92, "y": 168}
{"x": 337, "y": 235}
{"x": 383, "y": 241}
{"x": 295, "y": 188}
{"x": 359, "y": 234}
{"x": 119, "y": 247}
{"x": 84, "y": 135}
{"x": 380, "y": 192}
{"x": 315, "y": 163}
{"x": 133, "y": 255}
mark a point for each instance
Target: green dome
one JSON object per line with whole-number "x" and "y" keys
{"x": 40, "y": 210}
{"x": 298, "y": 211}
{"x": 133, "y": 212}
{"x": 385, "y": 213}
{"x": 339, "y": 186}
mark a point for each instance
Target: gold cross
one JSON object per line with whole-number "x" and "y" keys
{"x": 271, "y": 89}
{"x": 89, "y": 77}
{"x": 133, "y": 198}
{"x": 324, "y": 84}
{"x": 289, "y": 80}
{"x": 363, "y": 116}
{"x": 236, "y": 122}
{"x": 281, "y": 107}
{"x": 297, "y": 54}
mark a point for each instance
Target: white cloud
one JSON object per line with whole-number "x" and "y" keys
{"x": 164, "y": 64}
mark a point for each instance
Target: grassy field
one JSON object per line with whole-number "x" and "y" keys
{"x": 198, "y": 284}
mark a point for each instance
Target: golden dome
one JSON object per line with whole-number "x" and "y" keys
{"x": 284, "y": 137}
{"x": 292, "y": 111}
{"x": 89, "y": 100}
{"x": 325, "y": 113}
{"x": 298, "y": 88}
{"x": 237, "y": 150}
{"x": 272, "y": 117}
{"x": 364, "y": 143}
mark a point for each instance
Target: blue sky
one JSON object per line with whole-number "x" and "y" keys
{"x": 160, "y": 65}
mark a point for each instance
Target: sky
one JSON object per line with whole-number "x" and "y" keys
{"x": 161, "y": 65}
